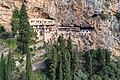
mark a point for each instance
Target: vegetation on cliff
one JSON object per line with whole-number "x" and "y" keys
{"x": 62, "y": 61}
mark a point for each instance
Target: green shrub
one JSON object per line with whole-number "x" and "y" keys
{"x": 21, "y": 60}
{"x": 117, "y": 15}
{"x": 2, "y": 29}
{"x": 11, "y": 42}
{"x": 104, "y": 16}
{"x": 31, "y": 49}
{"x": 5, "y": 35}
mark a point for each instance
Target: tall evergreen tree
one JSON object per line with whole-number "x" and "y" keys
{"x": 103, "y": 60}
{"x": 53, "y": 65}
{"x": 15, "y": 21}
{"x": 13, "y": 64}
{"x": 28, "y": 64}
{"x": 69, "y": 47}
{"x": 9, "y": 66}
{"x": 61, "y": 42}
{"x": 73, "y": 57}
{"x": 69, "y": 43}
{"x": 26, "y": 34}
{"x": 66, "y": 66}
{"x": 3, "y": 68}
{"x": 75, "y": 62}
{"x": 89, "y": 63}
{"x": 108, "y": 54}
{"x": 60, "y": 67}
{"x": 101, "y": 57}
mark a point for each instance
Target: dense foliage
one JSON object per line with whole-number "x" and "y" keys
{"x": 2, "y": 29}
{"x": 26, "y": 33}
{"x": 3, "y": 33}
{"x": 7, "y": 66}
{"x": 104, "y": 16}
{"x": 15, "y": 21}
{"x": 117, "y": 15}
{"x": 62, "y": 63}
{"x": 95, "y": 64}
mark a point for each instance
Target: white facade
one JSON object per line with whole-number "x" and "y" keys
{"x": 48, "y": 31}
{"x": 41, "y": 21}
{"x": 45, "y": 28}
{"x": 85, "y": 32}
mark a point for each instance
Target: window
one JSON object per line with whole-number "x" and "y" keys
{"x": 41, "y": 33}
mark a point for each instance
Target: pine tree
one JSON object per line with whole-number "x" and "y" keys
{"x": 15, "y": 21}
{"x": 9, "y": 65}
{"x": 53, "y": 65}
{"x": 28, "y": 64}
{"x": 3, "y": 68}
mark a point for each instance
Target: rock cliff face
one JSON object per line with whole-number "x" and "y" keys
{"x": 69, "y": 12}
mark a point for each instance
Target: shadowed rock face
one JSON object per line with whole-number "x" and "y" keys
{"x": 70, "y": 12}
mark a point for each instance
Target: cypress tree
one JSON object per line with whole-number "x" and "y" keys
{"x": 69, "y": 47}
{"x": 74, "y": 65}
{"x": 73, "y": 57}
{"x": 28, "y": 64}
{"x": 61, "y": 42}
{"x": 53, "y": 65}
{"x": 69, "y": 44}
{"x": 60, "y": 67}
{"x": 9, "y": 66}
{"x": 108, "y": 54}
{"x": 75, "y": 62}
{"x": 13, "y": 64}
{"x": 26, "y": 34}
{"x": 3, "y": 68}
{"x": 25, "y": 37}
{"x": 89, "y": 63}
{"x": 15, "y": 21}
{"x": 101, "y": 57}
{"x": 66, "y": 66}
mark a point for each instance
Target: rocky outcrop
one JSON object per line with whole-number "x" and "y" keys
{"x": 69, "y": 12}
